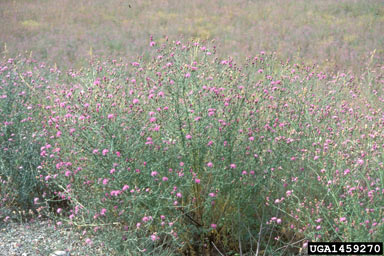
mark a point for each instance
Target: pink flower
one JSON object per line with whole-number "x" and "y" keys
{"x": 178, "y": 194}
{"x": 181, "y": 164}
{"x": 110, "y": 116}
{"x": 115, "y": 192}
{"x": 165, "y": 178}
{"x": 105, "y": 181}
{"x": 88, "y": 241}
{"x": 154, "y": 237}
{"x": 154, "y": 173}
{"x": 152, "y": 119}
{"x": 197, "y": 181}
{"x": 105, "y": 151}
{"x": 233, "y": 166}
{"x": 251, "y": 138}
{"x": 135, "y": 101}
{"x": 36, "y": 200}
{"x": 213, "y": 225}
{"x": 188, "y": 137}
{"x": 103, "y": 211}
{"x": 209, "y": 164}
{"x": 343, "y": 219}
{"x": 149, "y": 141}
{"x": 118, "y": 154}
{"x": 346, "y": 171}
{"x": 125, "y": 187}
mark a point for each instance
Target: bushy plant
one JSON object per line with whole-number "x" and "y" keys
{"x": 162, "y": 149}
{"x": 20, "y": 136}
{"x": 184, "y": 153}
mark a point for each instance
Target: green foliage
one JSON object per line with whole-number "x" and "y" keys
{"x": 185, "y": 153}
{"x": 20, "y": 138}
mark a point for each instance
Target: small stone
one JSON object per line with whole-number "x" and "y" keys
{"x": 59, "y": 253}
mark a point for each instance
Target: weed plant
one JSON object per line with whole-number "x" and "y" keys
{"x": 186, "y": 153}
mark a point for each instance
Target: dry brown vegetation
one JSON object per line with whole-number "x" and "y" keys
{"x": 339, "y": 35}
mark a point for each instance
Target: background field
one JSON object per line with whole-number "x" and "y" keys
{"x": 208, "y": 142}
{"x": 339, "y": 35}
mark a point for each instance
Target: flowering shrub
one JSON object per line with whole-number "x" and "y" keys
{"x": 185, "y": 153}
{"x": 20, "y": 136}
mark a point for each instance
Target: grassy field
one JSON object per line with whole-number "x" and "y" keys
{"x": 338, "y": 35}
{"x": 200, "y": 128}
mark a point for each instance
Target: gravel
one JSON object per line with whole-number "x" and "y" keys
{"x": 42, "y": 237}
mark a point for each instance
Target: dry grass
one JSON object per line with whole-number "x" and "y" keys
{"x": 337, "y": 34}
